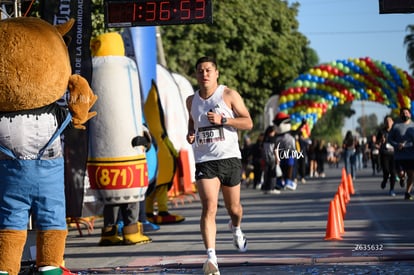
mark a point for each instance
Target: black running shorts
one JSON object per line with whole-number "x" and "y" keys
{"x": 227, "y": 170}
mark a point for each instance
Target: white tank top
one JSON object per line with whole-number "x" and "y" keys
{"x": 213, "y": 142}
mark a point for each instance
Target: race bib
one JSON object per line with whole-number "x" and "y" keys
{"x": 210, "y": 134}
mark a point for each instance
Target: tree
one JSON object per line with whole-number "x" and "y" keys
{"x": 311, "y": 59}
{"x": 256, "y": 43}
{"x": 368, "y": 125}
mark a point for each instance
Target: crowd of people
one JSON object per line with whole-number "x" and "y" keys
{"x": 388, "y": 152}
{"x": 281, "y": 158}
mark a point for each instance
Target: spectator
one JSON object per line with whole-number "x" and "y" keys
{"x": 401, "y": 138}
{"x": 257, "y": 156}
{"x": 269, "y": 184}
{"x": 359, "y": 154}
{"x": 247, "y": 166}
{"x": 331, "y": 154}
{"x": 321, "y": 156}
{"x": 348, "y": 146}
{"x": 313, "y": 164}
{"x": 386, "y": 151}
{"x": 302, "y": 147}
{"x": 374, "y": 154}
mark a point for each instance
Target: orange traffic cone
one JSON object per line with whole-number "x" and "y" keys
{"x": 344, "y": 175}
{"x": 340, "y": 194}
{"x": 344, "y": 185}
{"x": 188, "y": 185}
{"x": 339, "y": 213}
{"x": 351, "y": 185}
{"x": 332, "y": 225}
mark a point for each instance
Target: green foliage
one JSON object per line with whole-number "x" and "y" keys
{"x": 257, "y": 46}
{"x": 258, "y": 49}
{"x": 98, "y": 18}
{"x": 311, "y": 59}
{"x": 368, "y": 125}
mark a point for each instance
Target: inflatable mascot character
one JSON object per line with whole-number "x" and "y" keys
{"x": 35, "y": 72}
{"x": 285, "y": 147}
{"x": 167, "y": 163}
{"x": 117, "y": 164}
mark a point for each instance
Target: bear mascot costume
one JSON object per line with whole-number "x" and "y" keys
{"x": 35, "y": 72}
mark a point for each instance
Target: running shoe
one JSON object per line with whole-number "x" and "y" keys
{"x": 392, "y": 193}
{"x": 408, "y": 197}
{"x": 280, "y": 184}
{"x": 272, "y": 192}
{"x": 290, "y": 185}
{"x": 239, "y": 241}
{"x": 148, "y": 226}
{"x": 210, "y": 267}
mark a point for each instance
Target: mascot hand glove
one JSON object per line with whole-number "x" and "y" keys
{"x": 81, "y": 101}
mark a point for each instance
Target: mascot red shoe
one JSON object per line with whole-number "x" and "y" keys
{"x": 35, "y": 72}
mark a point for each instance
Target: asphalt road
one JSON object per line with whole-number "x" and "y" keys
{"x": 286, "y": 235}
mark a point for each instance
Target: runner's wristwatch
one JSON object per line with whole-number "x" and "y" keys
{"x": 223, "y": 120}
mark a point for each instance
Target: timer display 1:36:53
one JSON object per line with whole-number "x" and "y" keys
{"x": 128, "y": 13}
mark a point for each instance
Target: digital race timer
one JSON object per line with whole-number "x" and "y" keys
{"x": 128, "y": 13}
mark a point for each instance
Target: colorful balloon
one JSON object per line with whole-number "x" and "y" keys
{"x": 325, "y": 86}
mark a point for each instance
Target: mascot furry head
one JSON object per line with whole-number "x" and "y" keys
{"x": 282, "y": 123}
{"x": 35, "y": 72}
{"x": 35, "y": 69}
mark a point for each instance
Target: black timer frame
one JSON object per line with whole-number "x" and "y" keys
{"x": 130, "y": 13}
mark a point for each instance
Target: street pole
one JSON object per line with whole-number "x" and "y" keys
{"x": 17, "y": 8}
{"x": 160, "y": 48}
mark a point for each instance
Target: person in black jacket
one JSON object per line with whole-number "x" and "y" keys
{"x": 257, "y": 154}
{"x": 386, "y": 151}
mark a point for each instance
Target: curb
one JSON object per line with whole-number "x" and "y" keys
{"x": 191, "y": 262}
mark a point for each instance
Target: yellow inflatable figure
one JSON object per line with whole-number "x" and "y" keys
{"x": 117, "y": 165}
{"x": 167, "y": 161}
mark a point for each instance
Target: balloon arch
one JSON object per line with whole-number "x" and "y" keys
{"x": 325, "y": 86}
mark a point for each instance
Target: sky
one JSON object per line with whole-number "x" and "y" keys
{"x": 342, "y": 29}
